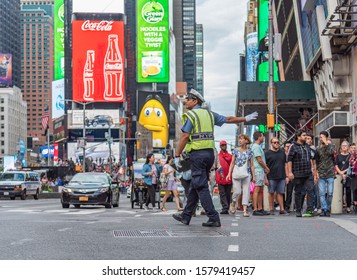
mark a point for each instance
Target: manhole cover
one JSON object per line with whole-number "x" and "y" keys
{"x": 169, "y": 233}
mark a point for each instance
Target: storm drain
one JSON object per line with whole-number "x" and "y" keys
{"x": 169, "y": 233}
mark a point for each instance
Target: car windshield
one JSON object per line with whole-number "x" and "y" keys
{"x": 12, "y": 177}
{"x": 81, "y": 178}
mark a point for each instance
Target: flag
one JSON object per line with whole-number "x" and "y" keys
{"x": 44, "y": 120}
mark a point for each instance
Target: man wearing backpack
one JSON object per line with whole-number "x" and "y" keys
{"x": 224, "y": 185}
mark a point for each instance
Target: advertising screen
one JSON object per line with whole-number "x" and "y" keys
{"x": 98, "y": 61}
{"x": 263, "y": 23}
{"x": 251, "y": 56}
{"x": 94, "y": 119}
{"x": 5, "y": 70}
{"x": 154, "y": 112}
{"x": 59, "y": 39}
{"x": 97, "y": 152}
{"x": 57, "y": 98}
{"x": 152, "y": 41}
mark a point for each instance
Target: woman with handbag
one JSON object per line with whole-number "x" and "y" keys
{"x": 151, "y": 172}
{"x": 240, "y": 170}
{"x": 170, "y": 185}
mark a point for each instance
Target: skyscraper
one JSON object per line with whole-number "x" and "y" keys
{"x": 37, "y": 62}
{"x": 10, "y": 35}
{"x": 199, "y": 58}
{"x": 185, "y": 36}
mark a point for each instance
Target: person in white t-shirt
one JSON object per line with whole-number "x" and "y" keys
{"x": 169, "y": 171}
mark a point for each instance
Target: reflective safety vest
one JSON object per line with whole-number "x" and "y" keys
{"x": 201, "y": 136}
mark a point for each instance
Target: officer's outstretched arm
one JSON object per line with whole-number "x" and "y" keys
{"x": 231, "y": 119}
{"x": 182, "y": 143}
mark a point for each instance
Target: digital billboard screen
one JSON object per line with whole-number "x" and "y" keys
{"x": 153, "y": 41}
{"x": 154, "y": 112}
{"x": 57, "y": 98}
{"x": 98, "y": 61}
{"x": 5, "y": 70}
{"x": 58, "y": 39}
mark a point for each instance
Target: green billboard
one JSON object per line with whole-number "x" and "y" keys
{"x": 58, "y": 39}
{"x": 152, "y": 41}
{"x": 263, "y": 23}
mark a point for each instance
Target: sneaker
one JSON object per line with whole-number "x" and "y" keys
{"x": 257, "y": 213}
{"x": 146, "y": 208}
{"x": 309, "y": 214}
{"x": 232, "y": 207}
{"x": 283, "y": 212}
{"x": 265, "y": 213}
{"x": 319, "y": 211}
{"x": 298, "y": 214}
{"x": 224, "y": 212}
{"x": 328, "y": 214}
{"x": 272, "y": 212}
{"x": 323, "y": 214}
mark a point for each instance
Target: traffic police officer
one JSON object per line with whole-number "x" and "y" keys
{"x": 197, "y": 139}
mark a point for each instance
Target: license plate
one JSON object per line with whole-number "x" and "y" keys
{"x": 6, "y": 193}
{"x": 83, "y": 198}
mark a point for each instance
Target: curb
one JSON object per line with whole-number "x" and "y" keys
{"x": 50, "y": 195}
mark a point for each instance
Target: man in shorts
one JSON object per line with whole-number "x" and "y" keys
{"x": 276, "y": 161}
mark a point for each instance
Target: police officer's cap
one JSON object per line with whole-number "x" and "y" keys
{"x": 195, "y": 95}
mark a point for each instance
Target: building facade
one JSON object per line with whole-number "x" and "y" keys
{"x": 199, "y": 58}
{"x": 37, "y": 63}
{"x": 10, "y": 27}
{"x": 13, "y": 124}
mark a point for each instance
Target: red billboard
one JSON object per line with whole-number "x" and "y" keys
{"x": 98, "y": 61}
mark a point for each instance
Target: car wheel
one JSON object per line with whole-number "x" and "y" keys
{"x": 65, "y": 205}
{"x": 23, "y": 196}
{"x": 94, "y": 124}
{"x": 12, "y": 198}
{"x": 36, "y": 196}
{"x": 77, "y": 205}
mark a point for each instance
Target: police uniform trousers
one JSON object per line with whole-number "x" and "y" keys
{"x": 201, "y": 162}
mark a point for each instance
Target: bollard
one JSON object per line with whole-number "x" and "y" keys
{"x": 336, "y": 205}
{"x": 266, "y": 198}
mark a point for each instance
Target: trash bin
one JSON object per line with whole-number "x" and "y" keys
{"x": 337, "y": 199}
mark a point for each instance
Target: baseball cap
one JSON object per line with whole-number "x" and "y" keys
{"x": 222, "y": 143}
{"x": 196, "y": 95}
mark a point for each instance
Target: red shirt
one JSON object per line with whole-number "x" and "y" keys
{"x": 225, "y": 160}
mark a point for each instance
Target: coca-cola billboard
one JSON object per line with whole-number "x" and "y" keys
{"x": 98, "y": 61}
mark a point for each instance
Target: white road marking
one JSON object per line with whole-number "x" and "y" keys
{"x": 233, "y": 248}
{"x": 345, "y": 224}
{"x": 234, "y": 224}
{"x": 84, "y": 212}
{"x": 20, "y": 242}
{"x": 137, "y": 215}
{"x": 64, "y": 229}
{"x": 234, "y": 233}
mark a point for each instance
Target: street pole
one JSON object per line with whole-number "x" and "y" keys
{"x": 271, "y": 87}
{"x": 84, "y": 137}
{"x": 48, "y": 147}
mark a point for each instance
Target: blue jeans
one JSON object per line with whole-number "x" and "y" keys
{"x": 326, "y": 186}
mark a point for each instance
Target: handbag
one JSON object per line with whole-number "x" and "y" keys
{"x": 240, "y": 172}
{"x": 163, "y": 180}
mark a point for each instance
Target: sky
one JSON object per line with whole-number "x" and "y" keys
{"x": 223, "y": 27}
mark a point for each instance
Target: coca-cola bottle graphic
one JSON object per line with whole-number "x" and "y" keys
{"x": 113, "y": 71}
{"x": 88, "y": 78}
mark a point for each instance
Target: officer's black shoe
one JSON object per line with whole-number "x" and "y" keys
{"x": 178, "y": 217}
{"x": 224, "y": 212}
{"x": 210, "y": 223}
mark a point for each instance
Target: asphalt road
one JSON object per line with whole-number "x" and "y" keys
{"x": 42, "y": 230}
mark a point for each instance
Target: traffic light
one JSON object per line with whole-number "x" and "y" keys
{"x": 270, "y": 121}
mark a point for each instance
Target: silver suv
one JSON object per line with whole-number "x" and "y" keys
{"x": 20, "y": 183}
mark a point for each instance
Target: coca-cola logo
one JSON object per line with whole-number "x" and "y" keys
{"x": 116, "y": 66}
{"x": 104, "y": 25}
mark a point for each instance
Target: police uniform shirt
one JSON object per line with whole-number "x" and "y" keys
{"x": 219, "y": 120}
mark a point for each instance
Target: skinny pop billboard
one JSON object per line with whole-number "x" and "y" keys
{"x": 98, "y": 61}
{"x": 59, "y": 39}
{"x": 152, "y": 41}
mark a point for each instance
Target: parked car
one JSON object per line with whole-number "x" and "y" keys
{"x": 20, "y": 184}
{"x": 91, "y": 188}
{"x": 103, "y": 120}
